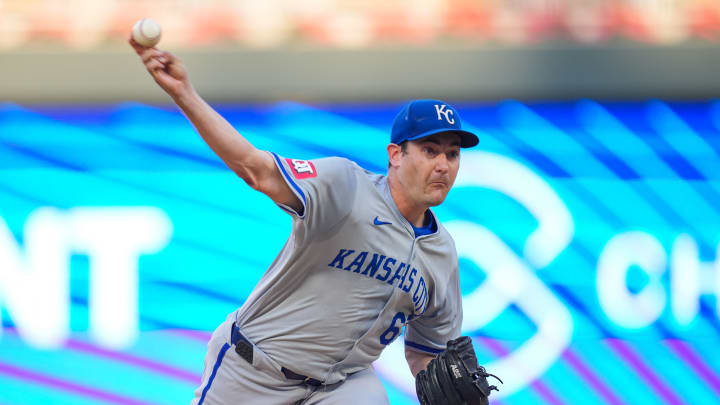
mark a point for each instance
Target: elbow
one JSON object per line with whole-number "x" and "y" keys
{"x": 254, "y": 169}
{"x": 251, "y": 179}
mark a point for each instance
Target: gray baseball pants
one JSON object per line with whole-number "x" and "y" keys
{"x": 230, "y": 379}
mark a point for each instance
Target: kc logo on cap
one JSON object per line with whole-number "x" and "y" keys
{"x": 421, "y": 118}
{"x": 442, "y": 111}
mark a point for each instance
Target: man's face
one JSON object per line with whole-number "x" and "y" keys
{"x": 428, "y": 169}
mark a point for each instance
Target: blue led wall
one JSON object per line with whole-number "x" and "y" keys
{"x": 588, "y": 236}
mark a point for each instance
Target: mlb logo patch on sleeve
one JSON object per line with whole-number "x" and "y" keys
{"x": 302, "y": 169}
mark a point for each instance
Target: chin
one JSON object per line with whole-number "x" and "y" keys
{"x": 435, "y": 200}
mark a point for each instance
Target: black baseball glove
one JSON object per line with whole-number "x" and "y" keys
{"x": 454, "y": 377}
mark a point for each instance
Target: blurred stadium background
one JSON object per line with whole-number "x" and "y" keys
{"x": 596, "y": 189}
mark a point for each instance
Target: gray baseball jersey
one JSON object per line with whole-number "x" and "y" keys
{"x": 350, "y": 276}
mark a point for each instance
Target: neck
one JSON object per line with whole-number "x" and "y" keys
{"x": 414, "y": 213}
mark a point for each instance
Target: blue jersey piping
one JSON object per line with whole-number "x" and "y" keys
{"x": 422, "y": 347}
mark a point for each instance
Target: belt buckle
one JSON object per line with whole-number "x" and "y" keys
{"x": 312, "y": 382}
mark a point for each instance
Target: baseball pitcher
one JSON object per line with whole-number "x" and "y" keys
{"x": 366, "y": 258}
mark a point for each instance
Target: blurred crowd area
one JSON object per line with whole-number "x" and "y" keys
{"x": 89, "y": 24}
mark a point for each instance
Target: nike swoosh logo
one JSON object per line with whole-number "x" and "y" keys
{"x": 379, "y": 222}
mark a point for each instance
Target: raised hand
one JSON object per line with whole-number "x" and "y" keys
{"x": 167, "y": 70}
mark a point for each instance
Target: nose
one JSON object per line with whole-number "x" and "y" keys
{"x": 441, "y": 164}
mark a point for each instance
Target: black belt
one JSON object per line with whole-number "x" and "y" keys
{"x": 291, "y": 375}
{"x": 244, "y": 348}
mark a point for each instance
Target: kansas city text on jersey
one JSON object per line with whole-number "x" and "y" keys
{"x": 381, "y": 267}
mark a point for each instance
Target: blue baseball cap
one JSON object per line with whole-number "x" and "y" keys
{"x": 421, "y": 118}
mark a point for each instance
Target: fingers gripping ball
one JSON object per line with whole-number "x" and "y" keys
{"x": 454, "y": 377}
{"x": 147, "y": 32}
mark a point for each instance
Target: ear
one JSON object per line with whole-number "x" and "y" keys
{"x": 394, "y": 154}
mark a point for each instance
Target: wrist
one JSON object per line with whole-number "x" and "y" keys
{"x": 186, "y": 98}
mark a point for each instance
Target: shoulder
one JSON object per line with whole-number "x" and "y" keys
{"x": 334, "y": 164}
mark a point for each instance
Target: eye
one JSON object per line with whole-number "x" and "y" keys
{"x": 453, "y": 154}
{"x": 429, "y": 150}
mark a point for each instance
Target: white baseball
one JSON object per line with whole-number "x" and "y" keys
{"x": 146, "y": 32}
